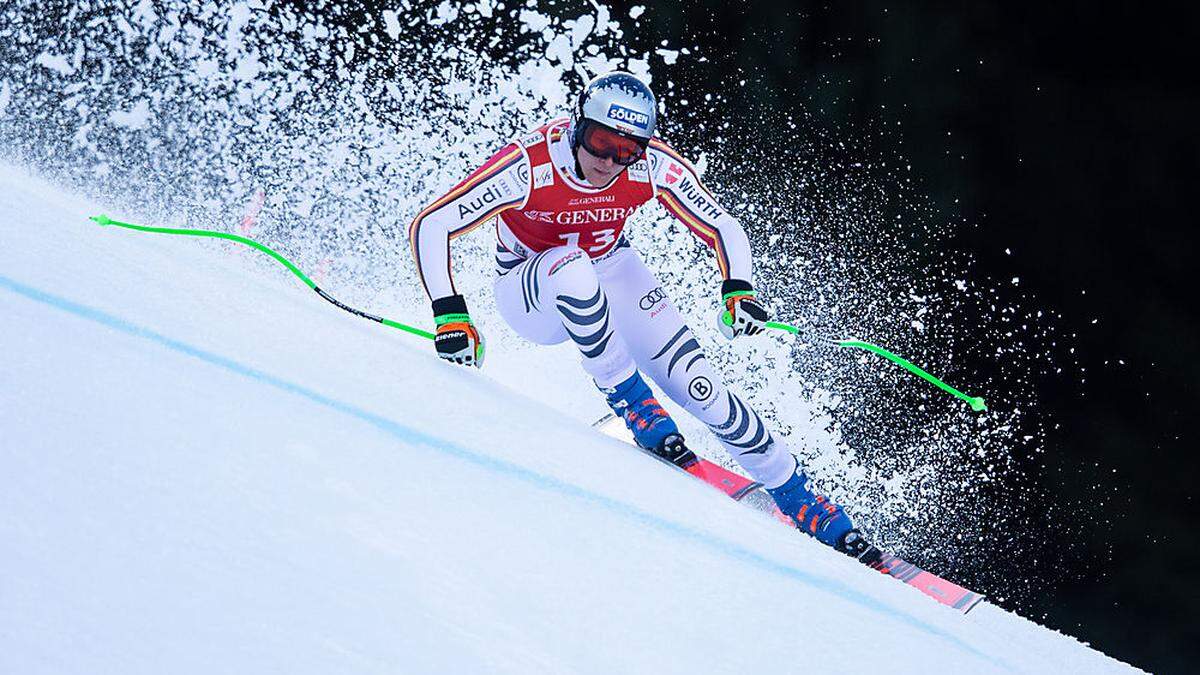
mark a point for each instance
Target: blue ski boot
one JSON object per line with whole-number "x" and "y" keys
{"x": 633, "y": 402}
{"x": 812, "y": 513}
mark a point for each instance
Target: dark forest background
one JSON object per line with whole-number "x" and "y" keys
{"x": 1062, "y": 138}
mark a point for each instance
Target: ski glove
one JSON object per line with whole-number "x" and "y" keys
{"x": 743, "y": 315}
{"x": 457, "y": 339}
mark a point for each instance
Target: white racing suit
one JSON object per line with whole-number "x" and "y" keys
{"x": 568, "y": 279}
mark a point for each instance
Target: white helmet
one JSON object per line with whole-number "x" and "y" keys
{"x": 620, "y": 103}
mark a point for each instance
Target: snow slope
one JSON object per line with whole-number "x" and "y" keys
{"x": 205, "y": 468}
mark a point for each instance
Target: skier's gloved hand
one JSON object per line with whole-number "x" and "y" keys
{"x": 457, "y": 339}
{"x": 742, "y": 315}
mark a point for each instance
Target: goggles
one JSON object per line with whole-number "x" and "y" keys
{"x": 608, "y": 144}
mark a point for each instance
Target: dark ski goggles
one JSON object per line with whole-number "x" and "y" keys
{"x": 606, "y": 143}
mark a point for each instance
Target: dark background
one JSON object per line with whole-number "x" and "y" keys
{"x": 1066, "y": 134}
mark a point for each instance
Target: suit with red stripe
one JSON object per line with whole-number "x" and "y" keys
{"x": 566, "y": 272}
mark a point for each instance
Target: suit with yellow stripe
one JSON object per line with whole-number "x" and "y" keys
{"x": 566, "y": 272}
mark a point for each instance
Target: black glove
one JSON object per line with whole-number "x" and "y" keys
{"x": 742, "y": 315}
{"x": 457, "y": 339}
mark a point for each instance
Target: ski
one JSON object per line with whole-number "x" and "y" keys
{"x": 946, "y": 592}
{"x": 749, "y": 492}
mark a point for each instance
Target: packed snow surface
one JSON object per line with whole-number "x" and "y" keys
{"x": 205, "y": 468}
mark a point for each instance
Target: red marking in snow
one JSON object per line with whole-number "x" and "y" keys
{"x": 322, "y": 270}
{"x": 250, "y": 217}
{"x": 252, "y": 210}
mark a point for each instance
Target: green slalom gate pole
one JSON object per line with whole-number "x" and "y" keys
{"x": 975, "y": 402}
{"x": 105, "y": 220}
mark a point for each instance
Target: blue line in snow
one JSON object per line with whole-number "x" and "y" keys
{"x": 542, "y": 481}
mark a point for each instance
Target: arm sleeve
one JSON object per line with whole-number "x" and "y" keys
{"x": 501, "y": 183}
{"x": 680, "y": 191}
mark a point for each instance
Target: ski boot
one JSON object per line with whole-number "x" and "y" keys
{"x": 652, "y": 428}
{"x": 812, "y": 513}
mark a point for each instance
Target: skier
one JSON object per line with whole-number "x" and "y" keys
{"x": 564, "y": 271}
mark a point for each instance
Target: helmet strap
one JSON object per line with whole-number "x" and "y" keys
{"x": 577, "y": 131}
{"x": 576, "y": 140}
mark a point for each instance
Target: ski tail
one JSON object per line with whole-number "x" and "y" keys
{"x": 946, "y": 592}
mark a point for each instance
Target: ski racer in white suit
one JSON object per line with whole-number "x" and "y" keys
{"x": 559, "y": 198}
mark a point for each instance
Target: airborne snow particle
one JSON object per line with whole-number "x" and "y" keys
{"x": 56, "y": 62}
{"x": 391, "y": 24}
{"x": 135, "y": 118}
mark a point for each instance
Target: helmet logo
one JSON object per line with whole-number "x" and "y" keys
{"x": 622, "y": 114}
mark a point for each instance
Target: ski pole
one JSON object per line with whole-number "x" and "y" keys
{"x": 976, "y": 402}
{"x": 105, "y": 220}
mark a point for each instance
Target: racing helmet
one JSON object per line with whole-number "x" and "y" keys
{"x": 614, "y": 117}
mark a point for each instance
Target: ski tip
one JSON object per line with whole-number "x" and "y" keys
{"x": 101, "y": 220}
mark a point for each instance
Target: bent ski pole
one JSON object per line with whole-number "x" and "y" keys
{"x": 105, "y": 220}
{"x": 976, "y": 402}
